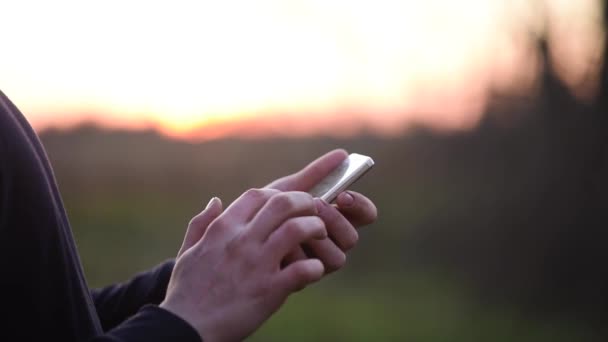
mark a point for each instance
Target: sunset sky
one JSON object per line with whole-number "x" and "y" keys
{"x": 214, "y": 68}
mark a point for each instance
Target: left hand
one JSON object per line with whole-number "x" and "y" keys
{"x": 352, "y": 210}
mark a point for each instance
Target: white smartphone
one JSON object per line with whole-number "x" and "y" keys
{"x": 353, "y": 168}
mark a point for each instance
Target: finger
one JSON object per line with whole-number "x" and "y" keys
{"x": 292, "y": 233}
{"x": 312, "y": 174}
{"x": 199, "y": 223}
{"x": 299, "y": 274}
{"x": 357, "y": 209}
{"x": 278, "y": 209}
{"x": 244, "y": 208}
{"x": 332, "y": 256}
{"x": 341, "y": 231}
{"x": 294, "y": 255}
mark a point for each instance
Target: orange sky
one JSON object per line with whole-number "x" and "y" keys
{"x": 293, "y": 67}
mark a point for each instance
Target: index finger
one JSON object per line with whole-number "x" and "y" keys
{"x": 244, "y": 208}
{"x": 278, "y": 209}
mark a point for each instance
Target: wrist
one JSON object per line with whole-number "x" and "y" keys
{"x": 185, "y": 315}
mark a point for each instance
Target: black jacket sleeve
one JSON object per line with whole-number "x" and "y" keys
{"x": 45, "y": 294}
{"x": 129, "y": 313}
{"x": 151, "y": 324}
{"x": 118, "y": 302}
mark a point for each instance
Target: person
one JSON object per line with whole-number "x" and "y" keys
{"x": 235, "y": 268}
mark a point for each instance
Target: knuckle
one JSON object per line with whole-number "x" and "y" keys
{"x": 219, "y": 224}
{"x": 196, "y": 220}
{"x": 193, "y": 221}
{"x": 316, "y": 226}
{"x": 256, "y": 194}
{"x": 295, "y": 228}
{"x": 317, "y": 222}
{"x": 300, "y": 276}
{"x": 309, "y": 200}
{"x": 293, "y": 201}
{"x": 284, "y": 202}
{"x": 197, "y": 254}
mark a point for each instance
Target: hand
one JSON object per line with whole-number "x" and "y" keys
{"x": 228, "y": 278}
{"x": 353, "y": 210}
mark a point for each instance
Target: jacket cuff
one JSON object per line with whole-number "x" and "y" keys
{"x": 155, "y": 324}
{"x": 164, "y": 275}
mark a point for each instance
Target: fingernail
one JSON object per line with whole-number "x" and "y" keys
{"x": 347, "y": 199}
{"x": 211, "y": 202}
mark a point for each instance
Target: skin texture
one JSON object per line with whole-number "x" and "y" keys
{"x": 237, "y": 267}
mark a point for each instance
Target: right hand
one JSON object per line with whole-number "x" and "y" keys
{"x": 229, "y": 281}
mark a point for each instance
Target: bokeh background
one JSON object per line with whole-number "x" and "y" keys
{"x": 487, "y": 121}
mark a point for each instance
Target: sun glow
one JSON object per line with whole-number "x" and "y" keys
{"x": 184, "y": 65}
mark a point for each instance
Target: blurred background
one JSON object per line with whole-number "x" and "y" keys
{"x": 487, "y": 121}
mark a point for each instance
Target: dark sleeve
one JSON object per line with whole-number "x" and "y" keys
{"x": 151, "y": 324}
{"x": 118, "y": 302}
{"x": 42, "y": 283}
{"x": 129, "y": 313}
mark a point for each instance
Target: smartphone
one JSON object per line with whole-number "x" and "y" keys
{"x": 351, "y": 169}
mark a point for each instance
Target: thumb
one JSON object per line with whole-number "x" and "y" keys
{"x": 311, "y": 174}
{"x": 199, "y": 223}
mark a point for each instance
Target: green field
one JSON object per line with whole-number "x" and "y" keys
{"x": 129, "y": 197}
